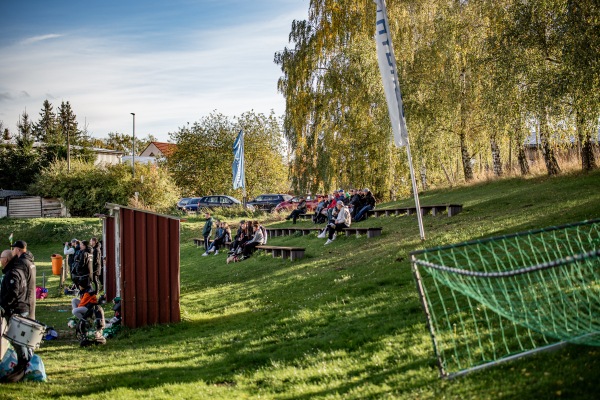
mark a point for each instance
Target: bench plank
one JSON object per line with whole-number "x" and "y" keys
{"x": 452, "y": 209}
{"x": 293, "y": 253}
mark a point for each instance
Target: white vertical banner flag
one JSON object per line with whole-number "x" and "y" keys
{"x": 391, "y": 86}
{"x": 389, "y": 75}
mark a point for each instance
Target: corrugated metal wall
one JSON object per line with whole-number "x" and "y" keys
{"x": 110, "y": 273}
{"x": 146, "y": 259}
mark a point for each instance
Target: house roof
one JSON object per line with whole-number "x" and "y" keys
{"x": 166, "y": 148}
{"x": 9, "y": 193}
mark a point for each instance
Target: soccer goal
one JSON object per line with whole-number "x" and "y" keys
{"x": 492, "y": 300}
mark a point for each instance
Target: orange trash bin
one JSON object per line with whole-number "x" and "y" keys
{"x": 57, "y": 262}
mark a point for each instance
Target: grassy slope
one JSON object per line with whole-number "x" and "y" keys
{"x": 344, "y": 322}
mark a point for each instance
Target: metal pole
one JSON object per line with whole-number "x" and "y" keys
{"x": 133, "y": 149}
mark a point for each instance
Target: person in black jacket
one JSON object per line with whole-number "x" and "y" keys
{"x": 84, "y": 263}
{"x": 368, "y": 204}
{"x": 96, "y": 262}
{"x": 15, "y": 298}
{"x": 300, "y": 209}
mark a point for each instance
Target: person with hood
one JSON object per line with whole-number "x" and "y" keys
{"x": 25, "y": 258}
{"x": 15, "y": 298}
{"x": 96, "y": 262}
{"x": 207, "y": 230}
{"x": 222, "y": 236}
{"x": 84, "y": 263}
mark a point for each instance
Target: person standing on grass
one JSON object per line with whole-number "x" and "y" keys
{"x": 207, "y": 230}
{"x": 84, "y": 262}
{"x": 69, "y": 252}
{"x": 15, "y": 298}
{"x": 342, "y": 220}
{"x": 24, "y": 257}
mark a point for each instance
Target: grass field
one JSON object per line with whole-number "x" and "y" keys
{"x": 345, "y": 322}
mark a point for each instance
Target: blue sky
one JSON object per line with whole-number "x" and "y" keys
{"x": 170, "y": 62}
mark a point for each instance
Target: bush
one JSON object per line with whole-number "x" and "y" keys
{"x": 86, "y": 188}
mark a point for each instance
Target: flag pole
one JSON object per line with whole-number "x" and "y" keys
{"x": 388, "y": 66}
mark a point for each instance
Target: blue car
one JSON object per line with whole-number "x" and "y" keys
{"x": 198, "y": 203}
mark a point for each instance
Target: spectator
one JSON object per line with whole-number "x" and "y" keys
{"x": 207, "y": 230}
{"x": 368, "y": 204}
{"x": 16, "y": 298}
{"x": 342, "y": 221}
{"x": 257, "y": 239}
{"x": 69, "y": 252}
{"x": 88, "y": 299}
{"x": 223, "y": 234}
{"x": 84, "y": 263}
{"x": 300, "y": 209}
{"x": 239, "y": 238}
{"x": 356, "y": 202}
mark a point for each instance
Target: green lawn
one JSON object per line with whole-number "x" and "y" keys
{"x": 344, "y": 322}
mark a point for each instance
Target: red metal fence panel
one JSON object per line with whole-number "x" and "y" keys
{"x": 150, "y": 288}
{"x": 149, "y": 266}
{"x": 110, "y": 275}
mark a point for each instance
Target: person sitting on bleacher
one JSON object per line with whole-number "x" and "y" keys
{"x": 300, "y": 209}
{"x": 367, "y": 205}
{"x": 239, "y": 238}
{"x": 342, "y": 221}
{"x": 355, "y": 201}
{"x": 318, "y": 217}
{"x": 223, "y": 235}
{"x": 258, "y": 238}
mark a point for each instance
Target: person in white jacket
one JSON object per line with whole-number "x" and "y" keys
{"x": 342, "y": 220}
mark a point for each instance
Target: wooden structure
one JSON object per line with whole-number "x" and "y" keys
{"x": 452, "y": 210}
{"x": 370, "y": 232}
{"x": 142, "y": 265}
{"x": 293, "y": 253}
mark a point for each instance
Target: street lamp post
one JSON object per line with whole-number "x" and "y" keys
{"x": 133, "y": 150}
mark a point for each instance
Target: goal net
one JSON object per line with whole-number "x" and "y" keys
{"x": 492, "y": 300}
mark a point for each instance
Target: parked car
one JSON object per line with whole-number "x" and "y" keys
{"x": 192, "y": 204}
{"x": 214, "y": 201}
{"x": 182, "y": 202}
{"x": 267, "y": 202}
{"x": 291, "y": 204}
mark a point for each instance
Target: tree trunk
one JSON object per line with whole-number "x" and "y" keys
{"x": 424, "y": 176}
{"x": 586, "y": 147}
{"x": 588, "y": 160}
{"x": 523, "y": 163}
{"x": 496, "y": 160}
{"x": 466, "y": 159}
{"x": 547, "y": 151}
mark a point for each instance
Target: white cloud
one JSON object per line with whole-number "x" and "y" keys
{"x": 229, "y": 69}
{"x": 40, "y": 38}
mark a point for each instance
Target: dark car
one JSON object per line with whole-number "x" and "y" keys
{"x": 214, "y": 201}
{"x": 183, "y": 202}
{"x": 267, "y": 202}
{"x": 291, "y": 204}
{"x": 192, "y": 204}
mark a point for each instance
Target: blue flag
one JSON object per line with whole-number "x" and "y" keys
{"x": 239, "y": 175}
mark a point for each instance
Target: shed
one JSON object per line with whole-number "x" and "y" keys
{"x": 142, "y": 265}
